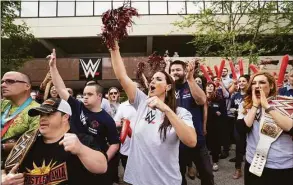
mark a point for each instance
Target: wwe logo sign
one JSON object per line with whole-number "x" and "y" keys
{"x": 91, "y": 67}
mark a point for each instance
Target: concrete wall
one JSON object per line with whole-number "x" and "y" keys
{"x": 146, "y": 25}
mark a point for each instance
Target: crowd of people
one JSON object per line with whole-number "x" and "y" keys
{"x": 54, "y": 137}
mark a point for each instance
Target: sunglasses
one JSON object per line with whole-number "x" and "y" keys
{"x": 115, "y": 93}
{"x": 10, "y": 81}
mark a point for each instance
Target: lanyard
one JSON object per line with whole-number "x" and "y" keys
{"x": 21, "y": 108}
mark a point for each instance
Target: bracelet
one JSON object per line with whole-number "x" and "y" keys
{"x": 255, "y": 106}
{"x": 268, "y": 110}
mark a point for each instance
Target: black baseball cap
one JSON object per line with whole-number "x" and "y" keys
{"x": 51, "y": 105}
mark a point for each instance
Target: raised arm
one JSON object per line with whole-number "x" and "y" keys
{"x": 197, "y": 93}
{"x": 119, "y": 69}
{"x": 56, "y": 78}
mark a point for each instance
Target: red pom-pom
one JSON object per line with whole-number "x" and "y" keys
{"x": 156, "y": 62}
{"x": 115, "y": 24}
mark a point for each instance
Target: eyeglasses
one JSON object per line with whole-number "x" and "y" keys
{"x": 10, "y": 81}
{"x": 115, "y": 93}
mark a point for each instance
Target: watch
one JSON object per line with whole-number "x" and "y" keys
{"x": 268, "y": 110}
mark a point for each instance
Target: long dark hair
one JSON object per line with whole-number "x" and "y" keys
{"x": 170, "y": 100}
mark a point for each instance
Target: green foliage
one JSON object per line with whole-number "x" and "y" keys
{"x": 15, "y": 39}
{"x": 232, "y": 29}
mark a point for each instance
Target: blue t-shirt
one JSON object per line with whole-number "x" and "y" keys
{"x": 236, "y": 100}
{"x": 286, "y": 91}
{"x": 98, "y": 124}
{"x": 185, "y": 100}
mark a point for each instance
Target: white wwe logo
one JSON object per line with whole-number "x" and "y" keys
{"x": 90, "y": 67}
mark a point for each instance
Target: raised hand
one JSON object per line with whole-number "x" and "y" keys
{"x": 255, "y": 100}
{"x": 154, "y": 102}
{"x": 190, "y": 69}
{"x": 263, "y": 100}
{"x": 71, "y": 143}
{"x": 52, "y": 58}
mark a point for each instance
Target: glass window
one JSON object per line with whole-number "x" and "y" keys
{"x": 117, "y": 4}
{"x": 66, "y": 8}
{"x": 29, "y": 9}
{"x": 47, "y": 9}
{"x": 285, "y": 6}
{"x": 101, "y": 7}
{"x": 216, "y": 7}
{"x": 194, "y": 7}
{"x": 84, "y": 8}
{"x": 142, "y": 7}
{"x": 158, "y": 7}
{"x": 176, "y": 8}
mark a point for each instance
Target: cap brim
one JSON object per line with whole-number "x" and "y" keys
{"x": 38, "y": 110}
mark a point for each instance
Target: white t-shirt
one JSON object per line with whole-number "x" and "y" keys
{"x": 127, "y": 111}
{"x": 151, "y": 160}
{"x": 280, "y": 155}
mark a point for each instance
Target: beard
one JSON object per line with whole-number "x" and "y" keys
{"x": 180, "y": 79}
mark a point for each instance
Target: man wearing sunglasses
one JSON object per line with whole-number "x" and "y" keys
{"x": 89, "y": 118}
{"x": 16, "y": 89}
{"x": 114, "y": 95}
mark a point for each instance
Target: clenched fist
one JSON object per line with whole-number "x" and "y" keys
{"x": 71, "y": 143}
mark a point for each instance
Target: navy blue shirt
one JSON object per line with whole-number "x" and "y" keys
{"x": 286, "y": 91}
{"x": 185, "y": 100}
{"x": 98, "y": 124}
{"x": 236, "y": 100}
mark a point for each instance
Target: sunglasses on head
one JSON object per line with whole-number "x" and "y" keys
{"x": 115, "y": 93}
{"x": 10, "y": 81}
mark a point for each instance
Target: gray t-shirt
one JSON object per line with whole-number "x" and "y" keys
{"x": 105, "y": 104}
{"x": 280, "y": 155}
{"x": 152, "y": 161}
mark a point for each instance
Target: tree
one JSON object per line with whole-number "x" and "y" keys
{"x": 15, "y": 39}
{"x": 235, "y": 28}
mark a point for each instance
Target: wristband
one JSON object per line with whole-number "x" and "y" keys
{"x": 255, "y": 106}
{"x": 268, "y": 110}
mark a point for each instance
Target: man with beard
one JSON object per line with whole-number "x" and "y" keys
{"x": 16, "y": 89}
{"x": 191, "y": 97}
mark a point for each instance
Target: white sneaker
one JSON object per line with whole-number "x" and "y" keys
{"x": 215, "y": 167}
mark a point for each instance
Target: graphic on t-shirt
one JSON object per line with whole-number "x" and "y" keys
{"x": 46, "y": 174}
{"x": 151, "y": 115}
{"x": 83, "y": 118}
{"x": 177, "y": 94}
{"x": 238, "y": 101}
{"x": 258, "y": 115}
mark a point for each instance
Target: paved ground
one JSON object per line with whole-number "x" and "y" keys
{"x": 222, "y": 177}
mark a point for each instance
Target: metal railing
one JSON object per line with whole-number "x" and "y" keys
{"x": 88, "y": 8}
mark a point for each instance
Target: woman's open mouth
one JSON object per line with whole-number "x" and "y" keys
{"x": 152, "y": 88}
{"x": 257, "y": 93}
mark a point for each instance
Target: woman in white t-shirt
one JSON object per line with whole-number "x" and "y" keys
{"x": 160, "y": 124}
{"x": 269, "y": 134}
